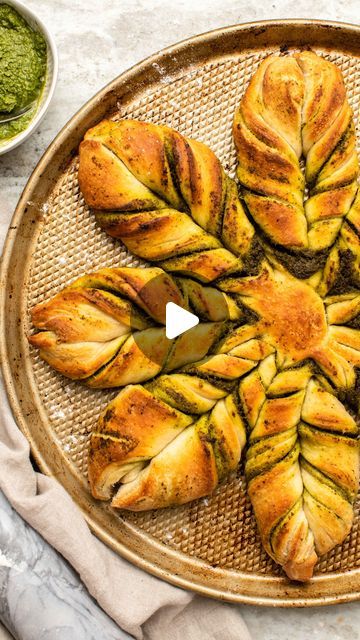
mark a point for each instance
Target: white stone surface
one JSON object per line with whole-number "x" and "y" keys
{"x": 41, "y": 596}
{"x": 97, "y": 40}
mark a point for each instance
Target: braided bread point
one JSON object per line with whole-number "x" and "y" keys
{"x": 302, "y": 465}
{"x": 101, "y": 329}
{"x": 294, "y": 106}
{"x": 190, "y": 467}
{"x": 160, "y": 455}
{"x": 167, "y": 198}
{"x": 194, "y": 462}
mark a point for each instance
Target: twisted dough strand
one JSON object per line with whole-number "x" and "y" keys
{"x": 294, "y": 106}
{"x": 101, "y": 329}
{"x": 167, "y": 198}
{"x": 341, "y": 272}
{"x": 302, "y": 465}
{"x": 175, "y": 459}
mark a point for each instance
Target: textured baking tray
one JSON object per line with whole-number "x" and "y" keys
{"x": 210, "y": 545}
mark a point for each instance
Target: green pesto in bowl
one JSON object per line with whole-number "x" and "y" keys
{"x": 22, "y": 69}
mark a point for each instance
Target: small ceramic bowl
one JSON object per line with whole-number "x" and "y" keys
{"x": 50, "y": 82}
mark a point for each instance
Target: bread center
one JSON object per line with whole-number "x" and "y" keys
{"x": 292, "y": 314}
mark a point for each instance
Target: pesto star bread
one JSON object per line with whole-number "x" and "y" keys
{"x": 274, "y": 276}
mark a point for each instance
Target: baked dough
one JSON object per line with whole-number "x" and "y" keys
{"x": 279, "y": 347}
{"x": 167, "y": 198}
{"x": 105, "y": 328}
{"x": 296, "y": 106}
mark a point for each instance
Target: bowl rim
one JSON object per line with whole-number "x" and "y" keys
{"x": 29, "y": 14}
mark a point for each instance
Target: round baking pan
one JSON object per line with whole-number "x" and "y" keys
{"x": 211, "y": 545}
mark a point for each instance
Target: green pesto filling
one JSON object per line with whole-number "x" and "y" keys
{"x": 22, "y": 69}
{"x": 209, "y": 436}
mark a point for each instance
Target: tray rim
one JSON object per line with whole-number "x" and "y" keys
{"x": 334, "y": 595}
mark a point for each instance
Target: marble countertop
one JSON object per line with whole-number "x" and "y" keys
{"x": 41, "y": 596}
{"x": 96, "y": 41}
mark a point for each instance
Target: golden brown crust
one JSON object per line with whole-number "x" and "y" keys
{"x": 98, "y": 329}
{"x": 102, "y": 291}
{"x": 157, "y": 235}
{"x": 105, "y": 182}
{"x": 76, "y": 360}
{"x": 150, "y": 289}
{"x": 292, "y": 312}
{"x": 76, "y": 315}
{"x": 140, "y": 358}
{"x": 185, "y": 470}
{"x": 198, "y": 202}
{"x": 302, "y": 467}
{"x": 134, "y": 427}
{"x": 281, "y": 221}
{"x": 293, "y": 106}
{"x": 293, "y": 320}
{"x": 161, "y": 455}
{"x": 206, "y": 265}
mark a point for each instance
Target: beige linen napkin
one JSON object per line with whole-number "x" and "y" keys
{"x": 142, "y": 605}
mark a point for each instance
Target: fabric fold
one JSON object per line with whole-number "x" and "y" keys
{"x": 139, "y": 603}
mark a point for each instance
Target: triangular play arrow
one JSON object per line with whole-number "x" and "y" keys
{"x": 178, "y": 320}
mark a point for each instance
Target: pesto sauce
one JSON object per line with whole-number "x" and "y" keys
{"x": 22, "y": 69}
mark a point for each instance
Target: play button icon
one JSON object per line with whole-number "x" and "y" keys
{"x": 184, "y": 322}
{"x": 178, "y": 320}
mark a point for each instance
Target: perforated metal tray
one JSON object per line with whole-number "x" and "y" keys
{"x": 212, "y": 545}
